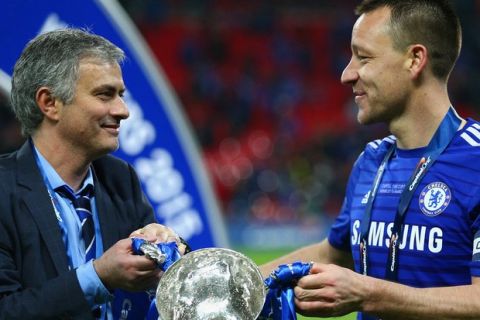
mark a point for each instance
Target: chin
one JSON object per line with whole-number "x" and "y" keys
{"x": 113, "y": 148}
{"x": 365, "y": 118}
{"x": 106, "y": 149}
{"x": 362, "y": 118}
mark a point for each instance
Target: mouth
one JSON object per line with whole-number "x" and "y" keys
{"x": 359, "y": 95}
{"x": 112, "y": 128}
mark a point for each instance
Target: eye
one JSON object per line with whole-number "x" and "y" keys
{"x": 104, "y": 95}
{"x": 363, "y": 59}
{"x": 107, "y": 93}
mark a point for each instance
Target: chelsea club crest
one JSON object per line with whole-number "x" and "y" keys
{"x": 434, "y": 198}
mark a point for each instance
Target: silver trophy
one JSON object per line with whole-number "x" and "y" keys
{"x": 211, "y": 284}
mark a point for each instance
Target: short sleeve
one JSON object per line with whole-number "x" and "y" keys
{"x": 339, "y": 236}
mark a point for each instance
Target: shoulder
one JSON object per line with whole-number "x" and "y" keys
{"x": 371, "y": 157}
{"x": 109, "y": 162}
{"x": 469, "y": 135}
{"x": 375, "y": 150}
{"x": 111, "y": 168}
{"x": 9, "y": 187}
{"x": 8, "y": 165}
{"x": 465, "y": 146}
{"x": 114, "y": 173}
{"x": 7, "y": 161}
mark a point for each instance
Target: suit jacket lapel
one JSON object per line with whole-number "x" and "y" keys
{"x": 37, "y": 199}
{"x": 103, "y": 202}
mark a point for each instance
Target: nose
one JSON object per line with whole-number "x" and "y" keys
{"x": 120, "y": 109}
{"x": 350, "y": 73}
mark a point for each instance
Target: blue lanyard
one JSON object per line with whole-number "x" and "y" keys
{"x": 442, "y": 138}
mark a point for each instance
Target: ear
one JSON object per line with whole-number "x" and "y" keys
{"x": 417, "y": 59}
{"x": 47, "y": 103}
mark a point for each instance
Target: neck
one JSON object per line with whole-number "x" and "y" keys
{"x": 71, "y": 166}
{"x": 416, "y": 131}
{"x": 415, "y": 127}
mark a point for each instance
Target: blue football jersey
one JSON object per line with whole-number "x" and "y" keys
{"x": 438, "y": 239}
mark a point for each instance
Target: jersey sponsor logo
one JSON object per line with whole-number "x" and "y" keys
{"x": 476, "y": 246}
{"x": 413, "y": 238}
{"x": 434, "y": 198}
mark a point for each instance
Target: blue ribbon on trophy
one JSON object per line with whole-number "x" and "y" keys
{"x": 164, "y": 254}
{"x": 279, "y": 303}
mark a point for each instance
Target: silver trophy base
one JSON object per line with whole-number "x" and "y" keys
{"x": 211, "y": 284}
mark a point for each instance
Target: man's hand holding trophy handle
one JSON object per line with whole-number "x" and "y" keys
{"x": 120, "y": 268}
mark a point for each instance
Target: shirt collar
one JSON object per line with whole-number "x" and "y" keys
{"x": 54, "y": 178}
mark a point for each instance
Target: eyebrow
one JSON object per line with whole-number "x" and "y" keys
{"x": 109, "y": 88}
{"x": 356, "y": 48}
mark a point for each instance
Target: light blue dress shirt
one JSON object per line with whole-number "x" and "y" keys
{"x": 96, "y": 294}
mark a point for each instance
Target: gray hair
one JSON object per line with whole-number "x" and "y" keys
{"x": 52, "y": 60}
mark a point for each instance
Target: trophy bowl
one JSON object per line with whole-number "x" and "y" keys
{"x": 211, "y": 284}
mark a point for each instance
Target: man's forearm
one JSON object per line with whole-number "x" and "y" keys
{"x": 389, "y": 300}
{"x": 319, "y": 252}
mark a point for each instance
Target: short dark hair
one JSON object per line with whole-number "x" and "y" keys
{"x": 52, "y": 60}
{"x": 432, "y": 23}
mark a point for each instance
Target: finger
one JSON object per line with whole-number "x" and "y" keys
{"x": 315, "y": 308}
{"x": 322, "y": 294}
{"x": 152, "y": 231}
{"x": 142, "y": 263}
{"x": 160, "y": 233}
{"x": 173, "y": 238}
{"x": 314, "y": 281}
{"x": 181, "y": 248}
{"x": 149, "y": 235}
{"x": 318, "y": 268}
{"x": 169, "y": 235}
{"x": 147, "y": 274}
{"x": 143, "y": 236}
{"x": 136, "y": 233}
{"x": 123, "y": 246}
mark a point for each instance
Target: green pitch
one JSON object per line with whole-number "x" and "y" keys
{"x": 261, "y": 256}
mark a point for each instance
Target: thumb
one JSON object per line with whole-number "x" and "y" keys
{"x": 317, "y": 268}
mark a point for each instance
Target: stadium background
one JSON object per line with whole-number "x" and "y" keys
{"x": 259, "y": 82}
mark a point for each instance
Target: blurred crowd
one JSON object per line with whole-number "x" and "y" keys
{"x": 259, "y": 82}
{"x": 10, "y": 136}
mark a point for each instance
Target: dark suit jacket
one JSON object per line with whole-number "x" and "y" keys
{"x": 35, "y": 282}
